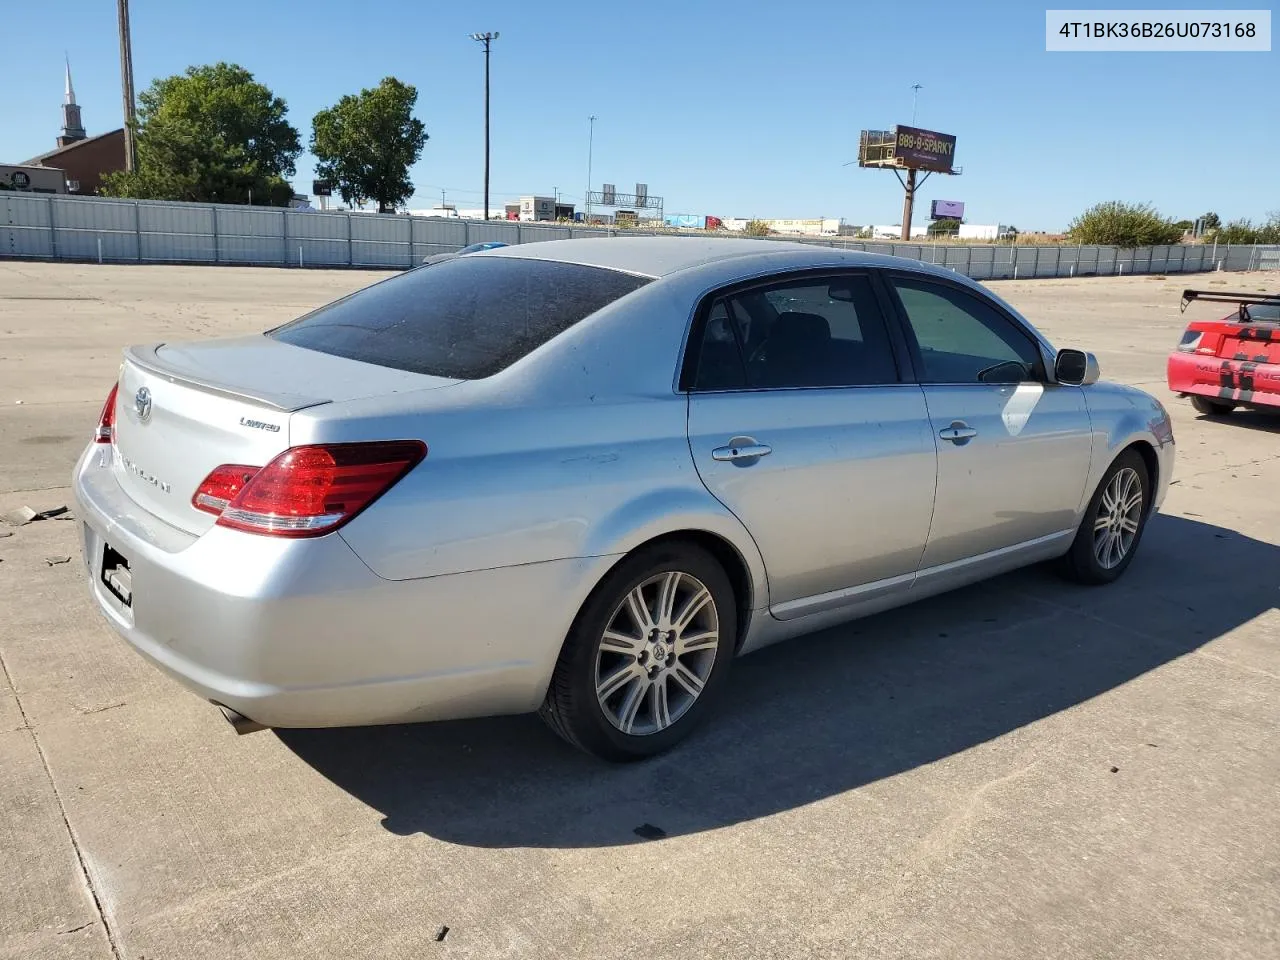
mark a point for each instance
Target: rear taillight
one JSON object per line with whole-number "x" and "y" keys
{"x": 222, "y": 486}
{"x": 107, "y": 419}
{"x": 1190, "y": 340}
{"x": 306, "y": 491}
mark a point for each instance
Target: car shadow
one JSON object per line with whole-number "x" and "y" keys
{"x": 1267, "y": 422}
{"x": 820, "y": 715}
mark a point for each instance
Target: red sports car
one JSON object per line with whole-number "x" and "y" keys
{"x": 1232, "y": 362}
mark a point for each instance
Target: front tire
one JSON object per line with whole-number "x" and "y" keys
{"x": 1112, "y": 526}
{"x": 1210, "y": 407}
{"x": 646, "y": 656}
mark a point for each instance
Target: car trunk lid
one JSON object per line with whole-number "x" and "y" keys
{"x": 1256, "y": 342}
{"x": 184, "y": 409}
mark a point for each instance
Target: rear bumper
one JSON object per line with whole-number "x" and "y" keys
{"x": 1239, "y": 381}
{"x": 300, "y": 633}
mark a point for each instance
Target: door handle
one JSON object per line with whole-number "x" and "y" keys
{"x": 958, "y": 433}
{"x": 741, "y": 448}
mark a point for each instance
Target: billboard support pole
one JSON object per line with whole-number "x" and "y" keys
{"x": 908, "y": 203}
{"x": 909, "y": 198}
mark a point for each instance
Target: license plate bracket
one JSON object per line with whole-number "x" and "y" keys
{"x": 116, "y": 576}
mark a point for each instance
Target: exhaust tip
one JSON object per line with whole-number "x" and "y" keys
{"x": 239, "y": 722}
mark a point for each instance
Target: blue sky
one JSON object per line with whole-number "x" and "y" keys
{"x": 735, "y": 109}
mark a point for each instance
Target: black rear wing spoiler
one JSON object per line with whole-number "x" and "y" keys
{"x": 1243, "y": 300}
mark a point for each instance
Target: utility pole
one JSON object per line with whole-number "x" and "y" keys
{"x": 487, "y": 39}
{"x": 915, "y": 101}
{"x": 591, "y": 138}
{"x": 126, "y": 86}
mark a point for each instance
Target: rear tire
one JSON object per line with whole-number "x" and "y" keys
{"x": 1113, "y": 523}
{"x": 646, "y": 656}
{"x": 1210, "y": 407}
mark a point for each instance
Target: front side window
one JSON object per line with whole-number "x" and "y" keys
{"x": 962, "y": 339}
{"x": 466, "y": 318}
{"x": 805, "y": 333}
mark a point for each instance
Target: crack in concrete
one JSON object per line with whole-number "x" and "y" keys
{"x": 17, "y": 490}
{"x": 110, "y": 706}
{"x": 62, "y": 811}
{"x": 1229, "y": 466}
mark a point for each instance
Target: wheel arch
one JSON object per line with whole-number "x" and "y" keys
{"x": 1125, "y": 418}
{"x": 1152, "y": 462}
{"x": 747, "y": 590}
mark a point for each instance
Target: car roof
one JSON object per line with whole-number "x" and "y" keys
{"x": 662, "y": 256}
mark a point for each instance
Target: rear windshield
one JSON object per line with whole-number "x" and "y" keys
{"x": 466, "y": 318}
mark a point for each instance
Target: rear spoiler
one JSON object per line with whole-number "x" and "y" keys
{"x": 1243, "y": 300}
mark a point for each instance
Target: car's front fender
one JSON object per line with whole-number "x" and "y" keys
{"x": 1121, "y": 417}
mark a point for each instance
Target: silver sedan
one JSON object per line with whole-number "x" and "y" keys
{"x": 581, "y": 477}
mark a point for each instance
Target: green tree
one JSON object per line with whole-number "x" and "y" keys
{"x": 1125, "y": 225}
{"x": 946, "y": 227}
{"x": 756, "y": 228}
{"x": 1243, "y": 231}
{"x": 210, "y": 134}
{"x": 366, "y": 143}
{"x": 1211, "y": 221}
{"x": 1186, "y": 226}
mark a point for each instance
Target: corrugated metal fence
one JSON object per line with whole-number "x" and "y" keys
{"x": 77, "y": 228}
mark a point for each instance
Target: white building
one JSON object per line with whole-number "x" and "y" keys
{"x": 894, "y": 232}
{"x": 451, "y": 212}
{"x": 813, "y": 227}
{"x": 445, "y": 211}
{"x": 983, "y": 231}
{"x": 816, "y": 227}
{"x": 537, "y": 208}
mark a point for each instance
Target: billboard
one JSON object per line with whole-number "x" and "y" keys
{"x": 924, "y": 149}
{"x": 946, "y": 210}
{"x": 685, "y": 221}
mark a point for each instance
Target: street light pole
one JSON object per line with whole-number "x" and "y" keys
{"x": 591, "y": 138}
{"x": 486, "y": 39}
{"x": 915, "y": 100}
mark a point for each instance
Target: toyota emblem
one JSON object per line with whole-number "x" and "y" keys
{"x": 142, "y": 403}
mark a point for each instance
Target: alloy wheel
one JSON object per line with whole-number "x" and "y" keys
{"x": 1119, "y": 516}
{"x": 657, "y": 652}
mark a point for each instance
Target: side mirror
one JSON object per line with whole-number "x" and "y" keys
{"x": 1077, "y": 368}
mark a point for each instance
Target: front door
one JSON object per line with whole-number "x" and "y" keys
{"x": 1013, "y": 448}
{"x": 800, "y": 423}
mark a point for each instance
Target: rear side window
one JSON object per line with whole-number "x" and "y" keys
{"x": 808, "y": 333}
{"x": 465, "y": 319}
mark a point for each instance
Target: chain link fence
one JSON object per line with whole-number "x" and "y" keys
{"x": 49, "y": 227}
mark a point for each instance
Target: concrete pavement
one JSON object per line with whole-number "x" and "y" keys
{"x": 1022, "y": 769}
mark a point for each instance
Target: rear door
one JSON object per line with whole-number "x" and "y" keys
{"x": 1013, "y": 447}
{"x": 802, "y": 423}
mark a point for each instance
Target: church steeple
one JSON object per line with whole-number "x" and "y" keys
{"x": 72, "y": 128}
